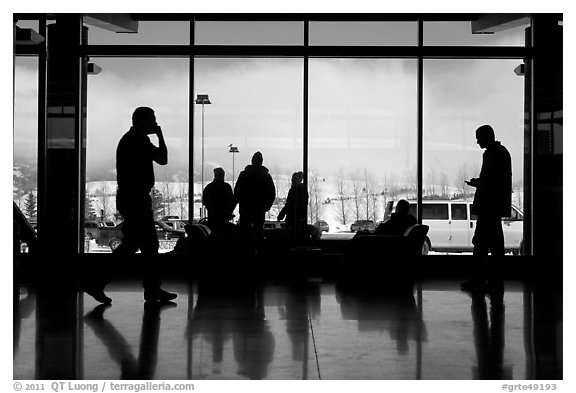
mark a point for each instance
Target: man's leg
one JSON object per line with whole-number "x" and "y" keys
{"x": 480, "y": 254}
{"x": 148, "y": 241}
{"x": 258, "y": 226}
{"x": 497, "y": 251}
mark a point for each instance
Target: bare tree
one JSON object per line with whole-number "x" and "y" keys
{"x": 411, "y": 181}
{"x": 342, "y": 206}
{"x": 357, "y": 193}
{"x": 371, "y": 195}
{"x": 463, "y": 174}
{"x": 167, "y": 190}
{"x": 182, "y": 193}
{"x": 444, "y": 184}
{"x": 431, "y": 179}
{"x": 104, "y": 196}
{"x": 315, "y": 200}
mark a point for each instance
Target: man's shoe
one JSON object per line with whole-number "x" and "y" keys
{"x": 158, "y": 295}
{"x": 98, "y": 295}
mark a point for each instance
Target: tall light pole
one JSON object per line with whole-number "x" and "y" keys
{"x": 233, "y": 150}
{"x": 202, "y": 99}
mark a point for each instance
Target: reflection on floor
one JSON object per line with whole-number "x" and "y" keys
{"x": 308, "y": 330}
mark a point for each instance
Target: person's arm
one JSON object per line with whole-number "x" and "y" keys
{"x": 474, "y": 182}
{"x": 161, "y": 156}
{"x": 206, "y": 195}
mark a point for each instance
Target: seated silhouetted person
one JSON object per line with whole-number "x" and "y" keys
{"x": 219, "y": 201}
{"x": 295, "y": 210}
{"x": 195, "y": 239}
{"x": 399, "y": 221}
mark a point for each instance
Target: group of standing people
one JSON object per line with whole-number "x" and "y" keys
{"x": 255, "y": 194}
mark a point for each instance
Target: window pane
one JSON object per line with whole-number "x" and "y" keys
{"x": 123, "y": 85}
{"x": 460, "y": 33}
{"x": 25, "y": 161}
{"x": 362, "y": 138}
{"x": 460, "y": 96}
{"x": 364, "y": 33}
{"x": 459, "y": 211}
{"x": 434, "y": 211}
{"x": 256, "y": 105}
{"x": 249, "y": 33}
{"x": 149, "y": 33}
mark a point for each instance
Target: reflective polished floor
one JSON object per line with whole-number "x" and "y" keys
{"x": 308, "y": 330}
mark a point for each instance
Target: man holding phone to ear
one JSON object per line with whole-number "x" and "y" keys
{"x": 492, "y": 201}
{"x": 135, "y": 157}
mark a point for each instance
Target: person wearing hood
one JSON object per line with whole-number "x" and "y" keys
{"x": 492, "y": 201}
{"x": 254, "y": 193}
{"x": 295, "y": 209}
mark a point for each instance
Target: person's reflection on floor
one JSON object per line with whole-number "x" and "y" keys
{"x": 489, "y": 338}
{"x": 376, "y": 312}
{"x": 236, "y": 312}
{"x": 298, "y": 304}
{"x": 119, "y": 349}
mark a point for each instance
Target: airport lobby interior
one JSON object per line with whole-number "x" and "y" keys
{"x": 370, "y": 109}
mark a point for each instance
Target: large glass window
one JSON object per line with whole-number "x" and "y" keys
{"x": 123, "y": 85}
{"x": 25, "y": 150}
{"x": 255, "y": 105}
{"x": 362, "y": 138}
{"x": 460, "y": 96}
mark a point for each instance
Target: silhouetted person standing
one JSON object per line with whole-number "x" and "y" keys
{"x": 399, "y": 221}
{"x": 255, "y": 193}
{"x": 492, "y": 201}
{"x": 219, "y": 201}
{"x": 295, "y": 209}
{"x": 135, "y": 156}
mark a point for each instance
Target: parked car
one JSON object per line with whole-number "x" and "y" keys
{"x": 112, "y": 236}
{"x": 92, "y": 229}
{"x": 452, "y": 225}
{"x": 362, "y": 225}
{"x": 270, "y": 224}
{"x": 322, "y": 225}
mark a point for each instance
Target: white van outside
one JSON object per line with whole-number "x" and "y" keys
{"x": 452, "y": 225}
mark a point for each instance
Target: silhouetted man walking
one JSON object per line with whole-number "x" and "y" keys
{"x": 219, "y": 201}
{"x": 255, "y": 193}
{"x": 135, "y": 156}
{"x": 492, "y": 201}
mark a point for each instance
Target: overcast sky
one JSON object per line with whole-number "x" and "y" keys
{"x": 362, "y": 112}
